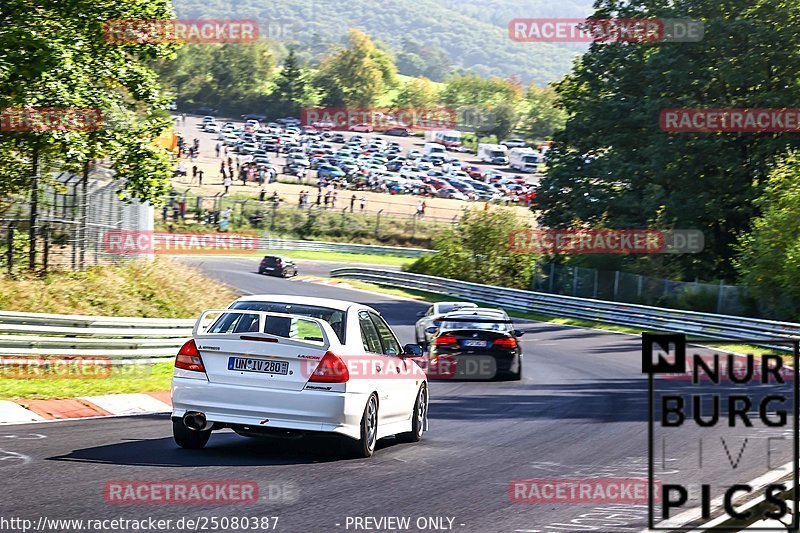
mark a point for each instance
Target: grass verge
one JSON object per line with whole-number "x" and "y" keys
{"x": 122, "y": 379}
{"x": 154, "y": 289}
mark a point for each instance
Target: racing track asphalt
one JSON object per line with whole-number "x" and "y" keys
{"x": 580, "y": 412}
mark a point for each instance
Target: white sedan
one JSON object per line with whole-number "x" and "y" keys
{"x": 273, "y": 364}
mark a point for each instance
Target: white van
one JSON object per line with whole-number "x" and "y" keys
{"x": 523, "y": 159}
{"x": 434, "y": 148}
{"x": 496, "y": 154}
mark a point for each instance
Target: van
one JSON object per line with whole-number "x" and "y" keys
{"x": 434, "y": 148}
{"x": 496, "y": 154}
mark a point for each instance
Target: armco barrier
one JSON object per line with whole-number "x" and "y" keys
{"x": 76, "y": 335}
{"x": 637, "y": 316}
{"x": 322, "y": 246}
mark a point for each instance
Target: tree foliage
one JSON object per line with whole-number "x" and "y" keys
{"x": 478, "y": 250}
{"x": 613, "y": 165}
{"x": 769, "y": 252}
{"x": 356, "y": 76}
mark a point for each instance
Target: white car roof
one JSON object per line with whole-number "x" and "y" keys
{"x": 341, "y": 305}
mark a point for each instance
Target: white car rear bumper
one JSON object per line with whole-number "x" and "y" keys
{"x": 308, "y": 410}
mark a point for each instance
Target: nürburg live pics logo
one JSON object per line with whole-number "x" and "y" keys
{"x": 722, "y": 433}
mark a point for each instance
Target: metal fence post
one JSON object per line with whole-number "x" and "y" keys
{"x": 46, "y": 255}
{"x": 616, "y": 285}
{"x": 719, "y": 296}
{"x": 596, "y": 279}
{"x": 574, "y": 281}
{"x": 378, "y": 223}
{"x": 552, "y": 276}
{"x": 10, "y": 251}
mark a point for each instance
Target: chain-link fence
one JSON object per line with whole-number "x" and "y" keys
{"x": 286, "y": 216}
{"x": 72, "y": 219}
{"x": 634, "y": 288}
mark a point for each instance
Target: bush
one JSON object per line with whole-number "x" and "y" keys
{"x": 477, "y": 250}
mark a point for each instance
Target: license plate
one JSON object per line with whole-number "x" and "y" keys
{"x": 475, "y": 344}
{"x": 263, "y": 366}
{"x": 269, "y": 268}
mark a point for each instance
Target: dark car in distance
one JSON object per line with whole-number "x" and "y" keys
{"x": 475, "y": 344}
{"x": 274, "y": 265}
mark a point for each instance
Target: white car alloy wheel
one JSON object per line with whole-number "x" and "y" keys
{"x": 417, "y": 417}
{"x": 365, "y": 446}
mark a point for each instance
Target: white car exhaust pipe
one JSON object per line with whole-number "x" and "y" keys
{"x": 196, "y": 421}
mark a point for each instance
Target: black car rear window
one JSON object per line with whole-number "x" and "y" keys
{"x": 271, "y": 260}
{"x": 334, "y": 317}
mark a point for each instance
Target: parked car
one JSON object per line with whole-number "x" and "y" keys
{"x": 398, "y": 131}
{"x": 515, "y": 143}
{"x": 274, "y": 265}
{"x": 362, "y": 128}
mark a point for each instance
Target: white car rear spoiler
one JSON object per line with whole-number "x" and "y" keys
{"x": 204, "y": 323}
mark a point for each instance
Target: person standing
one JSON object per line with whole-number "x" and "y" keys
{"x": 217, "y": 148}
{"x": 200, "y": 176}
{"x": 424, "y": 207}
{"x": 419, "y": 208}
{"x": 333, "y": 200}
{"x": 363, "y": 202}
{"x": 194, "y": 172}
{"x": 327, "y": 198}
{"x": 352, "y": 202}
{"x": 227, "y": 183}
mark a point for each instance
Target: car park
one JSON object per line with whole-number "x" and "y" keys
{"x": 483, "y": 339}
{"x": 277, "y": 365}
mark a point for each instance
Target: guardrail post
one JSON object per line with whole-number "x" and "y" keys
{"x": 616, "y": 285}
{"x": 719, "y": 296}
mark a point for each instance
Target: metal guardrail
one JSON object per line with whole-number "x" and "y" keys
{"x": 637, "y": 316}
{"x": 92, "y": 336}
{"x": 323, "y": 246}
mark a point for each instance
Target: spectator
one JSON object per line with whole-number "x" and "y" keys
{"x": 363, "y": 202}
{"x": 217, "y": 148}
{"x": 262, "y": 196}
{"x": 333, "y": 199}
{"x": 419, "y": 208}
{"x": 352, "y": 202}
{"x": 200, "y": 177}
{"x": 182, "y": 210}
{"x": 194, "y": 172}
{"x": 327, "y": 198}
{"x": 424, "y": 207}
{"x": 300, "y": 199}
{"x": 227, "y": 183}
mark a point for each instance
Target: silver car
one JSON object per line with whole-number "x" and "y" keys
{"x": 433, "y": 314}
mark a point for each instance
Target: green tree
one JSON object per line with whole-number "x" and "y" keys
{"x": 292, "y": 87}
{"x": 768, "y": 260}
{"x": 417, "y": 92}
{"x": 543, "y": 117}
{"x": 613, "y": 165}
{"x": 356, "y": 76}
{"x": 57, "y": 55}
{"x": 478, "y": 250}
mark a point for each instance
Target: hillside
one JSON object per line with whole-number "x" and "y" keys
{"x": 445, "y": 35}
